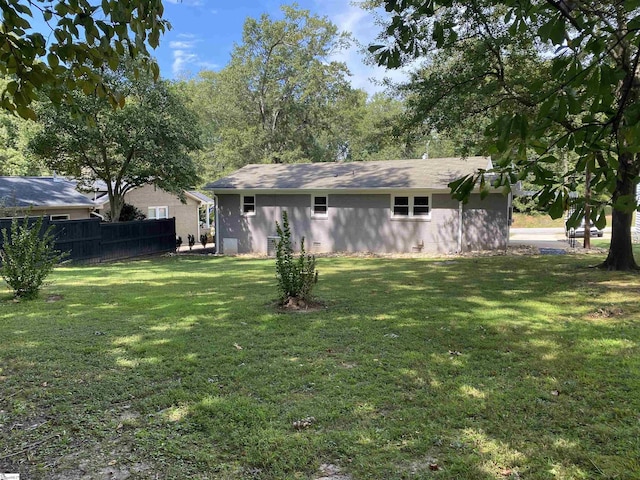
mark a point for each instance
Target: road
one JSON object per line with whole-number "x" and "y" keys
{"x": 544, "y": 237}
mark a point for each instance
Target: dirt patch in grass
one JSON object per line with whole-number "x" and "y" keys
{"x": 607, "y": 312}
{"x": 110, "y": 460}
{"x": 299, "y": 305}
{"x": 329, "y": 471}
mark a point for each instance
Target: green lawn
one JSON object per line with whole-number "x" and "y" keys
{"x": 180, "y": 367}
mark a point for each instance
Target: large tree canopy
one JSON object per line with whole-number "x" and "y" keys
{"x": 280, "y": 99}
{"x": 71, "y": 37}
{"x": 147, "y": 141}
{"x": 581, "y": 102}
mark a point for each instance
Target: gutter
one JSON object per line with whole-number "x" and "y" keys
{"x": 460, "y": 227}
{"x": 216, "y": 233}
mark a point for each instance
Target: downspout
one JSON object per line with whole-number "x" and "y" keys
{"x": 207, "y": 217}
{"x": 216, "y": 233}
{"x": 460, "y": 212}
{"x": 509, "y": 219}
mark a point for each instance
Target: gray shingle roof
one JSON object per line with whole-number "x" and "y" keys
{"x": 41, "y": 192}
{"x": 200, "y": 196}
{"x": 433, "y": 173}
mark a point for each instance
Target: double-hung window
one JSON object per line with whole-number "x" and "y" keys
{"x": 248, "y": 205}
{"x": 156, "y": 213}
{"x": 319, "y": 206}
{"x": 411, "y": 206}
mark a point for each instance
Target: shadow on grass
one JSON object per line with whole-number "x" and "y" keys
{"x": 484, "y": 367}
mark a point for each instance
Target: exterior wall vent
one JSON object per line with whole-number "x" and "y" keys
{"x": 272, "y": 246}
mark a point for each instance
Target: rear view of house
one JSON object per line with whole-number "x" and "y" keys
{"x": 385, "y": 207}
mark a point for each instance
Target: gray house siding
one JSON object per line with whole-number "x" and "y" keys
{"x": 363, "y": 223}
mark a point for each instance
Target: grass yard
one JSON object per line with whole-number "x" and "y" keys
{"x": 179, "y": 367}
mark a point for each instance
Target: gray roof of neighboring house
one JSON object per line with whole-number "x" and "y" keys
{"x": 200, "y": 196}
{"x": 41, "y": 192}
{"x": 433, "y": 173}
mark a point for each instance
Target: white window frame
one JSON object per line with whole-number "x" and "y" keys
{"x": 243, "y": 203}
{"x": 314, "y": 214}
{"x": 157, "y": 210}
{"x": 411, "y": 206}
{"x": 59, "y": 216}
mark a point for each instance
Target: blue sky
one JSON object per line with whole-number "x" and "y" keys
{"x": 204, "y": 32}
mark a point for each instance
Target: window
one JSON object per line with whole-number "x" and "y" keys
{"x": 418, "y": 206}
{"x": 319, "y": 206}
{"x": 156, "y": 213}
{"x": 248, "y": 205}
{"x": 64, "y": 216}
{"x": 400, "y": 206}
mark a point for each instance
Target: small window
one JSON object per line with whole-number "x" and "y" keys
{"x": 64, "y": 216}
{"x": 319, "y": 207}
{"x": 401, "y": 207}
{"x": 248, "y": 204}
{"x": 156, "y": 213}
{"x": 420, "y": 206}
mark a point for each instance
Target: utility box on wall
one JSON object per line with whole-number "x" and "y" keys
{"x": 229, "y": 246}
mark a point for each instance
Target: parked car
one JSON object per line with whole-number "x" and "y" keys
{"x": 578, "y": 232}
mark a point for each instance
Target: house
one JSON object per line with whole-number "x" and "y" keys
{"x": 385, "y": 206}
{"x": 53, "y": 196}
{"x": 156, "y": 203}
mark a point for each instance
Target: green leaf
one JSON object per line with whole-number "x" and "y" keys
{"x": 625, "y": 203}
{"x": 556, "y": 210}
{"x": 53, "y": 60}
{"x": 601, "y": 220}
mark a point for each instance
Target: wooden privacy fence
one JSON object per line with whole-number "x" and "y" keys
{"x": 93, "y": 241}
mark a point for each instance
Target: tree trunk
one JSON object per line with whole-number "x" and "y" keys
{"x": 621, "y": 251}
{"x": 115, "y": 204}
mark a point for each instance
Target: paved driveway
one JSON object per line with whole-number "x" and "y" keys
{"x": 544, "y": 238}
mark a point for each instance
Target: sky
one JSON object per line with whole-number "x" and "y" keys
{"x": 205, "y": 31}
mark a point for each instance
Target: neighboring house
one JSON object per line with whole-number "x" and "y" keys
{"x": 52, "y": 196}
{"x": 157, "y": 203}
{"x": 388, "y": 206}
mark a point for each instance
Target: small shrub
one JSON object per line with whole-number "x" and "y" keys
{"x": 296, "y": 277}
{"x": 27, "y": 256}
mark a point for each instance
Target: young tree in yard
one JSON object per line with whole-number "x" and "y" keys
{"x": 296, "y": 277}
{"x": 580, "y": 101}
{"x": 147, "y": 141}
{"x": 79, "y": 33}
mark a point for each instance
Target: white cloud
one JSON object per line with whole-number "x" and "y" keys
{"x": 181, "y": 45}
{"x": 361, "y": 24}
{"x": 185, "y": 56}
{"x": 188, "y": 3}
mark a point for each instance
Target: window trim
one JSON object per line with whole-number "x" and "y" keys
{"x": 411, "y": 205}
{"x": 157, "y": 208}
{"x": 243, "y": 203}
{"x": 313, "y": 205}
